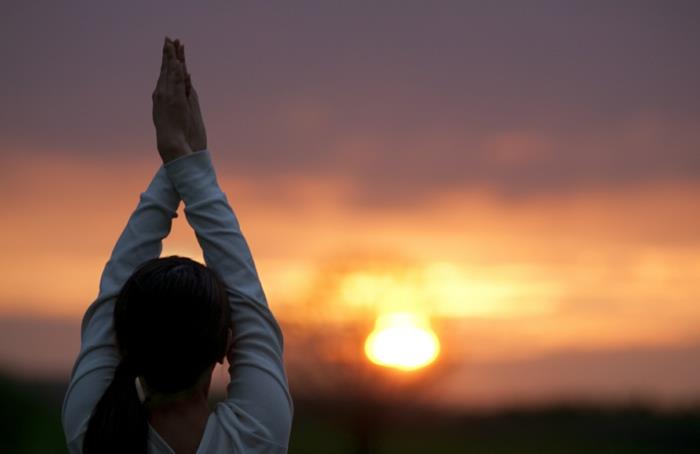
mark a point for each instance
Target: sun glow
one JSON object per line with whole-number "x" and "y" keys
{"x": 402, "y": 340}
{"x": 453, "y": 290}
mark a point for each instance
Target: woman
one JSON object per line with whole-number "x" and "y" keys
{"x": 151, "y": 339}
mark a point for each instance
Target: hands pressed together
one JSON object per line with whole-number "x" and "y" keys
{"x": 176, "y": 113}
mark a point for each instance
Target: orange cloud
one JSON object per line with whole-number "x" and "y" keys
{"x": 590, "y": 268}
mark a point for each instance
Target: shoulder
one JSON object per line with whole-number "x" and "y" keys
{"x": 230, "y": 428}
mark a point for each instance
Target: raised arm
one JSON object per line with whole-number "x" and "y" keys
{"x": 258, "y": 394}
{"x": 258, "y": 389}
{"x": 258, "y": 399}
{"x": 140, "y": 240}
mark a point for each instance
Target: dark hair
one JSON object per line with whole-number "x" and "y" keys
{"x": 171, "y": 320}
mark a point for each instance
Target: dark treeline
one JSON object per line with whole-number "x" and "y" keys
{"x": 30, "y": 423}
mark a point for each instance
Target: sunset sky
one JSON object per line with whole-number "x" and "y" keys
{"x": 525, "y": 175}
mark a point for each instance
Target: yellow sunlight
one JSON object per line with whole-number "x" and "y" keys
{"x": 402, "y": 340}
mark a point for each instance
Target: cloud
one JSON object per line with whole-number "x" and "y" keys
{"x": 519, "y": 100}
{"x": 664, "y": 375}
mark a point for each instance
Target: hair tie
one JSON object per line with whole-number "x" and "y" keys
{"x": 143, "y": 395}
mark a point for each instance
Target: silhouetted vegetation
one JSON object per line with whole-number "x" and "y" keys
{"x": 30, "y": 423}
{"x": 30, "y": 417}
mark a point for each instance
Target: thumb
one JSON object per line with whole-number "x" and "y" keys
{"x": 193, "y": 100}
{"x": 188, "y": 83}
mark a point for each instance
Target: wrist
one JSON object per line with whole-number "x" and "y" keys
{"x": 171, "y": 152}
{"x": 200, "y": 145}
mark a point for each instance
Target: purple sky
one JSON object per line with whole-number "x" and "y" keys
{"x": 404, "y": 98}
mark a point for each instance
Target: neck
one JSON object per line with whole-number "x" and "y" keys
{"x": 193, "y": 396}
{"x": 186, "y": 399}
{"x": 193, "y": 399}
{"x": 180, "y": 418}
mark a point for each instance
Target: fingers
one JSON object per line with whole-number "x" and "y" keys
{"x": 194, "y": 98}
{"x": 174, "y": 81}
{"x": 193, "y": 101}
{"x": 180, "y": 88}
{"x": 165, "y": 48}
{"x": 180, "y": 50}
{"x": 180, "y": 53}
{"x": 176, "y": 75}
{"x": 170, "y": 67}
{"x": 161, "y": 84}
{"x": 188, "y": 84}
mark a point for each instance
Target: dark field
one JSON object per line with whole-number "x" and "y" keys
{"x": 30, "y": 423}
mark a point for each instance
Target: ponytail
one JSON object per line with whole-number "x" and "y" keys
{"x": 119, "y": 423}
{"x": 171, "y": 321}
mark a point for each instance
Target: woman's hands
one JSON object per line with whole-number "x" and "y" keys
{"x": 196, "y": 133}
{"x": 176, "y": 113}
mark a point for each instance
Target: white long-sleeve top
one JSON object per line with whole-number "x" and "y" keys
{"x": 256, "y": 415}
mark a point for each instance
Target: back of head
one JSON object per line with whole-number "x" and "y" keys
{"x": 171, "y": 322}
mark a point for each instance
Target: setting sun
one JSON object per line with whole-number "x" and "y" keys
{"x": 402, "y": 340}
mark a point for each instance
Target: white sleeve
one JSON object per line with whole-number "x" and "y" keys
{"x": 258, "y": 390}
{"x": 94, "y": 368}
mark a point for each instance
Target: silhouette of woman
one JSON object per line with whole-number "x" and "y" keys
{"x": 151, "y": 339}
